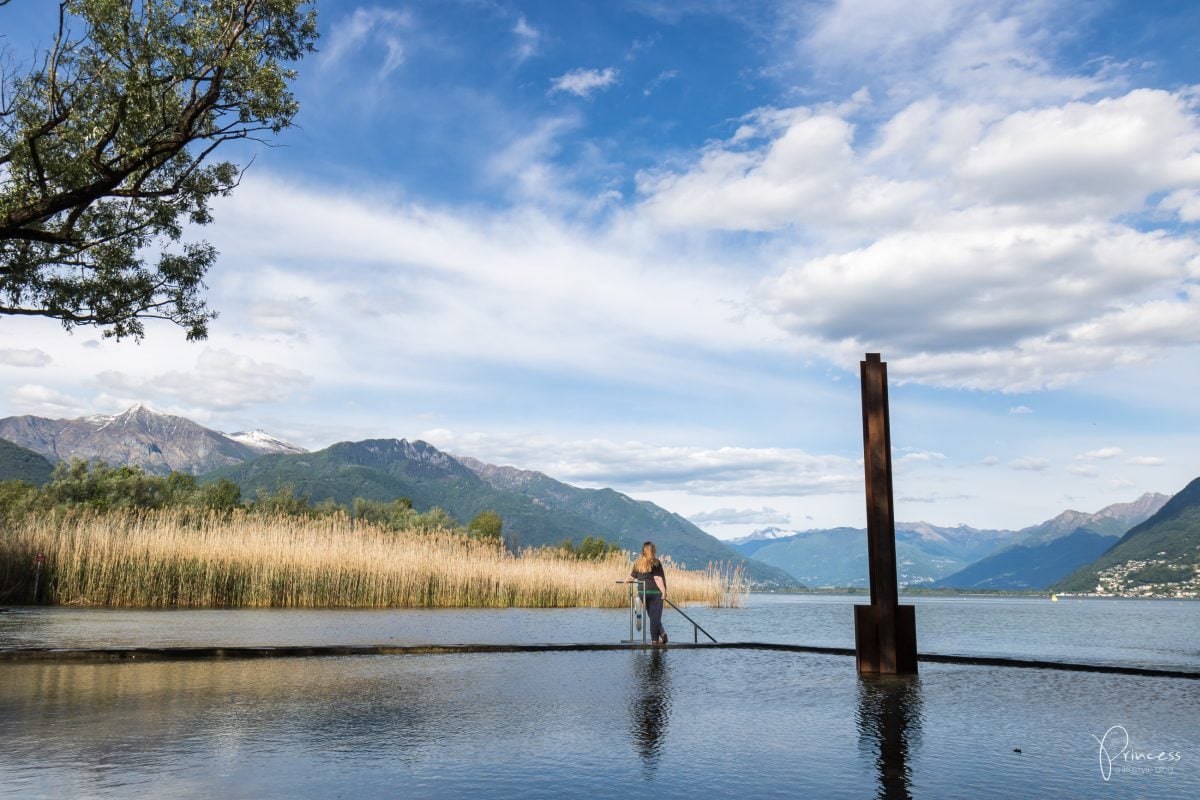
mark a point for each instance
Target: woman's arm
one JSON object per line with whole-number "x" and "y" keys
{"x": 662, "y": 585}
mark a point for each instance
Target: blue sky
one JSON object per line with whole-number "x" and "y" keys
{"x": 644, "y": 244}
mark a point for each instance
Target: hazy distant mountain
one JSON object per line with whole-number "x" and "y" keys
{"x": 1046, "y": 553}
{"x": 536, "y": 509}
{"x": 838, "y": 556}
{"x": 158, "y": 443}
{"x": 22, "y": 464}
{"x": 1157, "y": 556}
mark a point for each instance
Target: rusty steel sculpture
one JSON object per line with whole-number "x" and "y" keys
{"x": 885, "y": 632}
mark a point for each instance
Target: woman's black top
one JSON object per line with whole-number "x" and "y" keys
{"x": 650, "y": 587}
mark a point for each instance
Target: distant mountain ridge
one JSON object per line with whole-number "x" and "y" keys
{"x": 1041, "y": 555}
{"x": 158, "y": 443}
{"x": 536, "y": 509}
{"x": 1160, "y": 555}
{"x": 955, "y": 557}
{"x": 838, "y": 556}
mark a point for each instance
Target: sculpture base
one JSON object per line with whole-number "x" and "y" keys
{"x": 870, "y": 655}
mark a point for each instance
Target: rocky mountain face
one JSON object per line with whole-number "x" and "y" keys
{"x": 158, "y": 443}
{"x": 1046, "y": 553}
{"x": 1158, "y": 557}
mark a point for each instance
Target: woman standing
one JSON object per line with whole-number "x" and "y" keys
{"x": 653, "y": 589}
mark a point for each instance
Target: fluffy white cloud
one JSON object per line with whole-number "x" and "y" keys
{"x": 582, "y": 82}
{"x": 24, "y": 357}
{"x": 1015, "y": 410}
{"x": 1147, "y": 461}
{"x": 221, "y": 380}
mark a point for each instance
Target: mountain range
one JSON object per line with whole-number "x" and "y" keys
{"x": 1044, "y": 554}
{"x": 158, "y": 443}
{"x": 1158, "y": 556}
{"x": 1148, "y": 545}
{"x": 959, "y": 557}
{"x": 535, "y": 509}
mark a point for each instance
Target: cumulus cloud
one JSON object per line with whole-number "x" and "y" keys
{"x": 638, "y": 466}
{"x": 1147, "y": 461}
{"x": 582, "y": 82}
{"x": 1083, "y": 471}
{"x": 1015, "y": 410}
{"x": 24, "y": 357}
{"x": 221, "y": 380}
{"x": 989, "y": 232}
{"x": 741, "y": 516}
{"x": 1030, "y": 463}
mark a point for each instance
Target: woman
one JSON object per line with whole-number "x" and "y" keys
{"x": 653, "y": 589}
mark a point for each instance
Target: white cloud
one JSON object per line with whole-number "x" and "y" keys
{"x": 1101, "y": 454}
{"x": 1083, "y": 471}
{"x": 661, "y": 78}
{"x": 379, "y": 26}
{"x": 221, "y": 380}
{"x": 24, "y": 357}
{"x": 741, "y": 516}
{"x": 1147, "y": 461}
{"x": 44, "y": 401}
{"x": 1015, "y": 410}
{"x": 1030, "y": 463}
{"x": 990, "y": 461}
{"x": 924, "y": 456}
{"x": 528, "y": 38}
{"x": 638, "y": 466}
{"x": 582, "y": 82}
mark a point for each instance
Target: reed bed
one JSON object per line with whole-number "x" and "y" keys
{"x": 184, "y": 558}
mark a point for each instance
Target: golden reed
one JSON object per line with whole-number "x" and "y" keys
{"x": 185, "y": 558}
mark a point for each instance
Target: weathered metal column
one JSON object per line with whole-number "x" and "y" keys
{"x": 885, "y": 632}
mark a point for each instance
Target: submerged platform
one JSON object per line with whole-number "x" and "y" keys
{"x": 211, "y": 653}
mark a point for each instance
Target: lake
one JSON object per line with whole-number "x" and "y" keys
{"x": 674, "y": 723}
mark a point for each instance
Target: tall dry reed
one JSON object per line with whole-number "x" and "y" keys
{"x": 184, "y": 558}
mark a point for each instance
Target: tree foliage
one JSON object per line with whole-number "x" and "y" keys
{"x": 106, "y": 145}
{"x": 487, "y": 525}
{"x": 590, "y": 549}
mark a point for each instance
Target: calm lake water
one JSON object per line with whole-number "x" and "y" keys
{"x": 606, "y": 724}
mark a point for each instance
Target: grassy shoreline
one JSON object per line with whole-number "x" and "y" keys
{"x": 184, "y": 558}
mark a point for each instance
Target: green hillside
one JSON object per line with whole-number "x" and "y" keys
{"x": 540, "y": 511}
{"x": 20, "y": 464}
{"x": 1159, "y": 556}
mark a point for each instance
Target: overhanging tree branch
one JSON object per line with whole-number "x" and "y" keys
{"x": 107, "y": 151}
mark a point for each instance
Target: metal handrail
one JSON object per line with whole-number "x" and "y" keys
{"x": 696, "y": 629}
{"x": 632, "y": 610}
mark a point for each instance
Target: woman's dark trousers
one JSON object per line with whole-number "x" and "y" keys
{"x": 654, "y": 608}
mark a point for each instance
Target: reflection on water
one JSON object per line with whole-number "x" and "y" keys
{"x": 719, "y": 723}
{"x": 889, "y": 724}
{"x": 650, "y": 705}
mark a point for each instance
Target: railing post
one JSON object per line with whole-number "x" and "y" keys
{"x": 885, "y": 632}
